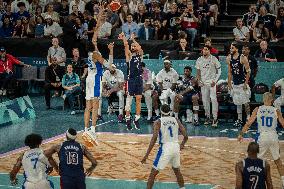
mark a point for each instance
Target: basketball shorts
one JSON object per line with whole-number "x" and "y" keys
{"x": 168, "y": 153}
{"x": 67, "y": 182}
{"x": 239, "y": 95}
{"x": 268, "y": 141}
{"x": 43, "y": 184}
{"x": 135, "y": 87}
{"x": 93, "y": 87}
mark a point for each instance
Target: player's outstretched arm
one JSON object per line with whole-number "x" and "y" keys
{"x": 239, "y": 176}
{"x": 268, "y": 179}
{"x": 183, "y": 132}
{"x": 280, "y": 118}
{"x": 156, "y": 128}
{"x": 15, "y": 170}
{"x": 248, "y": 124}
{"x": 93, "y": 161}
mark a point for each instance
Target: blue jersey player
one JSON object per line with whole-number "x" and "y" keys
{"x": 253, "y": 172}
{"x": 71, "y": 170}
{"x": 134, "y": 80}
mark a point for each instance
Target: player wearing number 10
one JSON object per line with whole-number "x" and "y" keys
{"x": 267, "y": 117}
{"x": 71, "y": 168}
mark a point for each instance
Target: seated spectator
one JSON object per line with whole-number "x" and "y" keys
{"x": 18, "y": 31}
{"x": 113, "y": 82}
{"x": 213, "y": 51}
{"x": 105, "y": 29}
{"x": 176, "y": 29}
{"x": 80, "y": 6}
{"x": 39, "y": 27}
{"x": 277, "y": 33}
{"x": 146, "y": 32}
{"x": 71, "y": 85}
{"x": 51, "y": 13}
{"x": 82, "y": 29}
{"x": 7, "y": 29}
{"x": 267, "y": 18}
{"x": 130, "y": 27}
{"x": 250, "y": 18}
{"x": 182, "y": 45}
{"x": 14, "y": 5}
{"x": 140, "y": 16}
{"x": 22, "y": 11}
{"x": 56, "y": 51}
{"x": 161, "y": 30}
{"x": 241, "y": 32}
{"x": 275, "y": 5}
{"x": 124, "y": 11}
{"x": 53, "y": 77}
{"x": 76, "y": 13}
{"x": 190, "y": 22}
{"x": 262, "y": 3}
{"x": 265, "y": 54}
{"x": 7, "y": 62}
{"x": 260, "y": 32}
{"x": 51, "y": 28}
{"x": 78, "y": 64}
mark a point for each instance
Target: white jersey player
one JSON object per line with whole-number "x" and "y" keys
{"x": 167, "y": 80}
{"x": 267, "y": 136}
{"x": 280, "y": 100}
{"x": 35, "y": 165}
{"x": 208, "y": 73}
{"x": 167, "y": 128}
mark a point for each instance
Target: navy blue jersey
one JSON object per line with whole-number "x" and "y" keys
{"x": 71, "y": 159}
{"x": 135, "y": 68}
{"x": 254, "y": 174}
{"x": 238, "y": 71}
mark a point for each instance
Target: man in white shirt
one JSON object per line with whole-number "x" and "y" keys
{"x": 208, "y": 73}
{"x": 167, "y": 80}
{"x": 56, "y": 51}
{"x": 241, "y": 32}
{"x": 280, "y": 100}
{"x": 113, "y": 82}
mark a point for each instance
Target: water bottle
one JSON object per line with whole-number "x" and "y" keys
{"x": 160, "y": 56}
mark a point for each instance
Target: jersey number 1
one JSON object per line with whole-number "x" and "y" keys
{"x": 266, "y": 121}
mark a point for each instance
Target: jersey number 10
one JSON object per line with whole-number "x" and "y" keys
{"x": 266, "y": 121}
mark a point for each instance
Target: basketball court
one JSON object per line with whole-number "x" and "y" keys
{"x": 208, "y": 159}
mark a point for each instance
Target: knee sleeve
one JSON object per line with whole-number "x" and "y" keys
{"x": 128, "y": 103}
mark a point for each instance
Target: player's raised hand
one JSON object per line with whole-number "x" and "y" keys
{"x": 143, "y": 161}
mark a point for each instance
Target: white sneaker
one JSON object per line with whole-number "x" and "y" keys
{"x": 73, "y": 112}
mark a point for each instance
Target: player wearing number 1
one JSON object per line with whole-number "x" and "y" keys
{"x": 267, "y": 136}
{"x": 71, "y": 168}
{"x": 167, "y": 128}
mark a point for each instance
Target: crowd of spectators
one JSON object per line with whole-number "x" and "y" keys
{"x": 264, "y": 21}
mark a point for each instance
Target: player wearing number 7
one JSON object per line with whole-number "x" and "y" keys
{"x": 267, "y": 136}
{"x": 71, "y": 169}
{"x": 167, "y": 128}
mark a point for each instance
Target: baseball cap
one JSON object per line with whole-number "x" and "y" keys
{"x": 2, "y": 49}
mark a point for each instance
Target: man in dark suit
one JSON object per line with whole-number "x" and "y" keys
{"x": 146, "y": 32}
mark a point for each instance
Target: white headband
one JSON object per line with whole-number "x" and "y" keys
{"x": 72, "y": 137}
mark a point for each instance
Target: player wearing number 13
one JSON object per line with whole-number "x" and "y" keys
{"x": 71, "y": 168}
{"x": 167, "y": 128}
{"x": 267, "y": 136}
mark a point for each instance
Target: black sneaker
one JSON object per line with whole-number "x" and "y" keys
{"x": 136, "y": 124}
{"x": 238, "y": 123}
{"x": 128, "y": 124}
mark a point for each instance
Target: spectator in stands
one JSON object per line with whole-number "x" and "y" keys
{"x": 50, "y": 12}
{"x": 53, "y": 77}
{"x": 280, "y": 100}
{"x": 22, "y": 12}
{"x": 275, "y": 5}
{"x": 262, "y": 3}
{"x": 76, "y": 13}
{"x": 130, "y": 27}
{"x": 71, "y": 85}
{"x": 56, "y": 51}
{"x": 253, "y": 67}
{"x": 78, "y": 63}
{"x": 113, "y": 82}
{"x": 277, "y": 33}
{"x": 190, "y": 22}
{"x": 7, "y": 62}
{"x": 260, "y": 32}
{"x": 140, "y": 16}
{"x": 124, "y": 11}
{"x": 267, "y": 18}
{"x": 18, "y": 29}
{"x": 280, "y": 14}
{"x": 51, "y": 28}
{"x": 250, "y": 18}
{"x": 213, "y": 51}
{"x": 161, "y": 30}
{"x": 146, "y": 32}
{"x": 7, "y": 29}
{"x": 105, "y": 29}
{"x": 39, "y": 27}
{"x": 241, "y": 32}
{"x": 14, "y": 5}
{"x": 64, "y": 11}
{"x": 80, "y": 6}
{"x": 264, "y": 53}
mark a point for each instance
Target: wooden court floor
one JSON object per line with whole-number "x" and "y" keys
{"x": 204, "y": 160}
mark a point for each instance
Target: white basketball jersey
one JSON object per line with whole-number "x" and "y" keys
{"x": 266, "y": 119}
{"x": 34, "y": 163}
{"x": 168, "y": 130}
